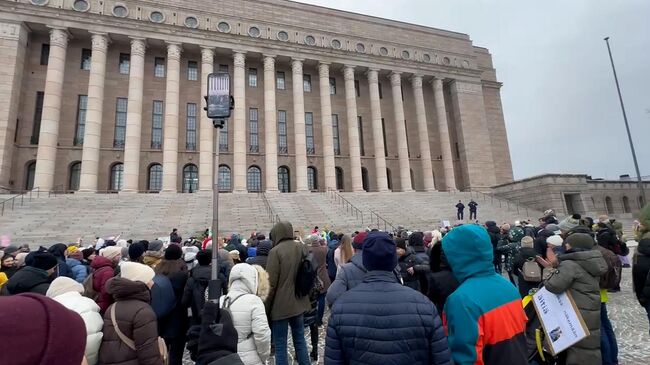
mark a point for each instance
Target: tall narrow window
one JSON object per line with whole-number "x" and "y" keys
{"x": 45, "y": 54}
{"x": 357, "y": 88}
{"x": 284, "y": 181}
{"x": 381, "y": 94}
{"x": 190, "y": 133}
{"x": 332, "y": 86}
{"x": 159, "y": 67}
{"x": 190, "y": 178}
{"x": 157, "y": 125}
{"x": 29, "y": 175}
{"x": 306, "y": 83}
{"x": 383, "y": 131}
{"x": 254, "y": 179}
{"x": 362, "y": 150}
{"x": 38, "y": 115}
{"x": 339, "y": 179}
{"x": 309, "y": 133}
{"x": 223, "y": 137}
{"x": 252, "y": 77}
{"x": 312, "y": 178}
{"x": 75, "y": 175}
{"x": 224, "y": 178}
{"x": 155, "y": 177}
{"x": 335, "y": 134}
{"x": 254, "y": 138}
{"x": 86, "y": 55}
{"x": 192, "y": 70}
{"x": 82, "y": 106}
{"x": 279, "y": 80}
{"x": 125, "y": 63}
{"x": 117, "y": 176}
{"x": 282, "y": 132}
{"x": 120, "y": 123}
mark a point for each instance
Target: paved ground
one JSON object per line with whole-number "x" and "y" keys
{"x": 629, "y": 320}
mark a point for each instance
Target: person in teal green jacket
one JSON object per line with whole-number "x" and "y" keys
{"x": 484, "y": 317}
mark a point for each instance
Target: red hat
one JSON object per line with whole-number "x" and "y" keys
{"x": 357, "y": 243}
{"x": 52, "y": 335}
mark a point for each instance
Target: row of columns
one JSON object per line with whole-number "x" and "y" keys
{"x": 46, "y": 155}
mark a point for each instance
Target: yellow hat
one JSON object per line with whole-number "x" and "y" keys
{"x": 72, "y": 249}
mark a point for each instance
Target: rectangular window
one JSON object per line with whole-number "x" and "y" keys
{"x": 357, "y": 88}
{"x": 223, "y": 68}
{"x": 82, "y": 106}
{"x": 335, "y": 134}
{"x": 125, "y": 63}
{"x": 38, "y": 115}
{"x": 45, "y": 54}
{"x": 159, "y": 67}
{"x": 254, "y": 139}
{"x": 192, "y": 70}
{"x": 383, "y": 131}
{"x": 282, "y": 132}
{"x": 86, "y": 55}
{"x": 279, "y": 80}
{"x": 223, "y": 137}
{"x": 306, "y": 83}
{"x": 252, "y": 77}
{"x": 120, "y": 122}
{"x": 190, "y": 135}
{"x": 157, "y": 125}
{"x": 381, "y": 94}
{"x": 309, "y": 133}
{"x": 332, "y": 86}
{"x": 362, "y": 150}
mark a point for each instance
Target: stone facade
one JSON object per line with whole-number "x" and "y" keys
{"x": 105, "y": 95}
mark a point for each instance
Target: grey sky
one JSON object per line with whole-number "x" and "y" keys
{"x": 560, "y": 103}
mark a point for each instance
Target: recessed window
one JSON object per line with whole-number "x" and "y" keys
{"x": 82, "y": 108}
{"x": 306, "y": 83}
{"x": 282, "y": 132}
{"x": 157, "y": 125}
{"x": 120, "y": 11}
{"x": 125, "y": 63}
{"x": 252, "y": 77}
{"x": 309, "y": 133}
{"x": 86, "y": 57}
{"x": 39, "y": 2}
{"x": 310, "y": 40}
{"x": 159, "y": 67}
{"x": 332, "y": 86}
{"x": 190, "y": 132}
{"x": 336, "y": 44}
{"x": 406, "y": 55}
{"x": 279, "y": 80}
{"x": 45, "y": 54}
{"x": 223, "y": 27}
{"x": 361, "y": 47}
{"x": 157, "y": 17}
{"x": 426, "y": 57}
{"x": 120, "y": 123}
{"x": 254, "y": 146}
{"x": 283, "y": 36}
{"x": 192, "y": 70}
{"x": 80, "y": 5}
{"x": 254, "y": 32}
{"x": 383, "y": 51}
{"x": 191, "y": 22}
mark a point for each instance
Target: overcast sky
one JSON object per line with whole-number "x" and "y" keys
{"x": 561, "y": 108}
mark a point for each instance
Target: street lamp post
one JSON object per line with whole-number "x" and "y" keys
{"x": 627, "y": 126}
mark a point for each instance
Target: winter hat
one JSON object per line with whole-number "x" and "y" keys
{"x": 155, "y": 245}
{"x": 173, "y": 252}
{"x": 124, "y": 251}
{"x": 111, "y": 252}
{"x": 77, "y": 255}
{"x": 527, "y": 241}
{"x": 10, "y": 250}
{"x": 20, "y": 259}
{"x": 39, "y": 340}
{"x": 234, "y": 254}
{"x": 505, "y": 227}
{"x": 43, "y": 260}
{"x": 379, "y": 252}
{"x": 570, "y": 222}
{"x": 189, "y": 253}
{"x": 553, "y": 228}
{"x": 490, "y": 224}
{"x": 581, "y": 241}
{"x": 62, "y": 285}
{"x": 135, "y": 271}
{"x": 204, "y": 257}
{"x": 136, "y": 251}
{"x": 71, "y": 249}
{"x": 357, "y": 243}
{"x": 264, "y": 247}
{"x": 400, "y": 243}
{"x": 416, "y": 239}
{"x": 87, "y": 252}
{"x": 121, "y": 243}
{"x": 555, "y": 240}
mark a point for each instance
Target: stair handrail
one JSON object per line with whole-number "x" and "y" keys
{"x": 273, "y": 217}
{"x": 383, "y": 220}
{"x": 56, "y": 190}
{"x": 501, "y": 200}
{"x": 22, "y": 199}
{"x": 349, "y": 207}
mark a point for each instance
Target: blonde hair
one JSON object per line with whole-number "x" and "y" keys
{"x": 262, "y": 282}
{"x": 346, "y": 249}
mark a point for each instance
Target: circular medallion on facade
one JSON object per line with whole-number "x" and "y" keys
{"x": 406, "y": 55}
{"x": 156, "y": 17}
{"x": 191, "y": 22}
{"x": 465, "y": 64}
{"x": 310, "y": 40}
{"x": 254, "y": 32}
{"x": 426, "y": 57}
{"x": 120, "y": 11}
{"x": 81, "y": 5}
{"x": 446, "y": 61}
{"x": 223, "y": 27}
{"x": 283, "y": 36}
{"x": 361, "y": 47}
{"x": 336, "y": 44}
{"x": 383, "y": 51}
{"x": 39, "y": 2}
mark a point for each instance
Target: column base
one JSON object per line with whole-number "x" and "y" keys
{"x": 430, "y": 190}
{"x": 384, "y": 190}
{"x": 128, "y": 191}
{"x": 407, "y": 191}
{"x": 240, "y": 191}
{"x": 168, "y": 192}
{"x": 85, "y": 191}
{"x": 272, "y": 191}
{"x": 358, "y": 191}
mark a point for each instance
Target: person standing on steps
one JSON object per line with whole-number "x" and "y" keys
{"x": 461, "y": 210}
{"x": 472, "y": 209}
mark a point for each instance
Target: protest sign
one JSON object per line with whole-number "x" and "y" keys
{"x": 560, "y": 318}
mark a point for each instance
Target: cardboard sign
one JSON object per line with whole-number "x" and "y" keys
{"x": 561, "y": 320}
{"x": 446, "y": 224}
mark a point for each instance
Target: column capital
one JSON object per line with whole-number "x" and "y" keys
{"x": 373, "y": 75}
{"x": 324, "y": 69}
{"x": 138, "y": 46}
{"x": 296, "y": 65}
{"x": 348, "y": 72}
{"x": 174, "y": 51}
{"x": 99, "y": 41}
{"x": 269, "y": 62}
{"x": 416, "y": 81}
{"x": 239, "y": 58}
{"x": 59, "y": 36}
{"x": 207, "y": 54}
{"x": 395, "y": 78}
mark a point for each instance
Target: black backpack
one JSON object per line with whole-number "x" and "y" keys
{"x": 306, "y": 276}
{"x": 331, "y": 264}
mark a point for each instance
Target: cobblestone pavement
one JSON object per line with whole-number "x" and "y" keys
{"x": 627, "y": 316}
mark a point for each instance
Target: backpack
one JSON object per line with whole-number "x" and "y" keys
{"x": 612, "y": 278}
{"x": 516, "y": 234}
{"x": 331, "y": 264}
{"x": 530, "y": 271}
{"x": 89, "y": 291}
{"x": 306, "y": 276}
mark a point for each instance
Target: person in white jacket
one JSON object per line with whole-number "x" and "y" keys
{"x": 68, "y": 292}
{"x": 249, "y": 286}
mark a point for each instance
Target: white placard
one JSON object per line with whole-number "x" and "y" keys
{"x": 446, "y": 224}
{"x": 560, "y": 318}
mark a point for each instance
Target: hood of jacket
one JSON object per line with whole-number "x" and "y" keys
{"x": 58, "y": 250}
{"x": 249, "y": 279}
{"x": 202, "y": 273}
{"x": 100, "y": 261}
{"x": 281, "y": 231}
{"x": 469, "y": 252}
{"x": 357, "y": 260}
{"x": 644, "y": 218}
{"x": 72, "y": 262}
{"x": 264, "y": 247}
{"x": 125, "y": 289}
{"x": 591, "y": 261}
{"x": 27, "y": 278}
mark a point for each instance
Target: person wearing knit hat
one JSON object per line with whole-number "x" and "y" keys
{"x": 154, "y": 254}
{"x": 135, "y": 271}
{"x": 553, "y": 228}
{"x": 376, "y": 307}
{"x": 52, "y": 335}
{"x": 74, "y": 262}
{"x": 136, "y": 251}
{"x": 526, "y": 253}
{"x": 357, "y": 242}
{"x": 113, "y": 253}
{"x": 570, "y": 223}
{"x": 527, "y": 242}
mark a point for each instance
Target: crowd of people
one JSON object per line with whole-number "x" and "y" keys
{"x": 452, "y": 295}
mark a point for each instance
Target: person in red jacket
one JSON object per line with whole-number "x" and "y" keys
{"x": 103, "y": 269}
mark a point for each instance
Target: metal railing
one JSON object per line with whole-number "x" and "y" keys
{"x": 350, "y": 208}
{"x": 57, "y": 190}
{"x": 508, "y": 204}
{"x": 273, "y": 217}
{"x": 377, "y": 220}
{"x": 11, "y": 202}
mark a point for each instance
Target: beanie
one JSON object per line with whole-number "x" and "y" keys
{"x": 155, "y": 245}
{"x": 173, "y": 252}
{"x": 77, "y": 255}
{"x": 581, "y": 241}
{"x": 400, "y": 243}
{"x": 553, "y": 228}
{"x": 379, "y": 252}
{"x": 111, "y": 252}
{"x": 505, "y": 227}
{"x": 527, "y": 241}
{"x": 136, "y": 251}
{"x": 135, "y": 271}
{"x": 570, "y": 222}
{"x": 71, "y": 249}
{"x": 43, "y": 261}
{"x": 39, "y": 340}
{"x": 87, "y": 252}
{"x": 357, "y": 243}
{"x": 10, "y": 250}
{"x": 555, "y": 240}
{"x": 204, "y": 257}
{"x": 62, "y": 285}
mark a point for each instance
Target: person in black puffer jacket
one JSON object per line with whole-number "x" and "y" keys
{"x": 197, "y": 284}
{"x": 495, "y": 234}
{"x": 263, "y": 249}
{"x": 641, "y": 267}
{"x": 411, "y": 266}
{"x": 527, "y": 251}
{"x": 442, "y": 281}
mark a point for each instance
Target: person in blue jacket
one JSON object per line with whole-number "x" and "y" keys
{"x": 381, "y": 321}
